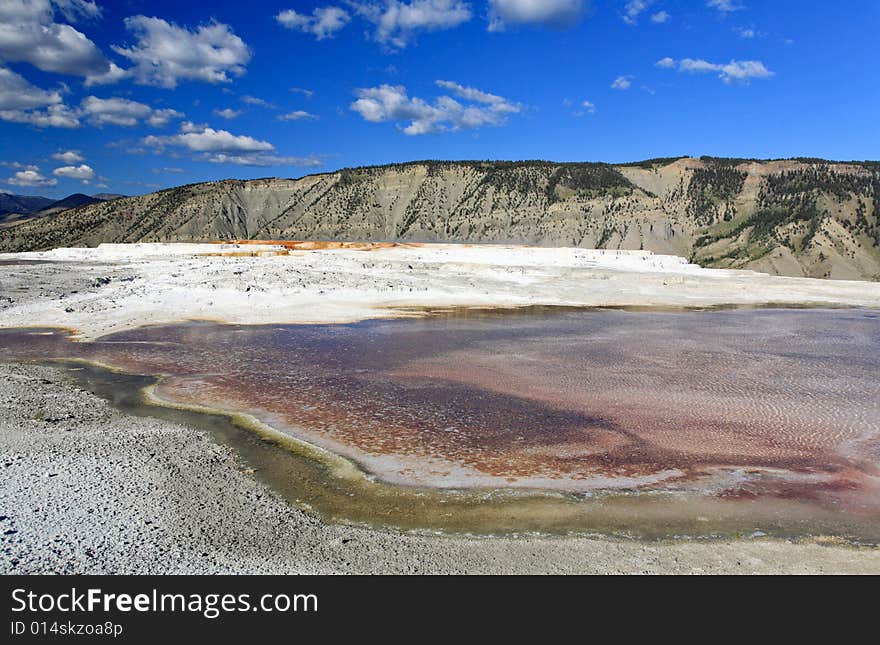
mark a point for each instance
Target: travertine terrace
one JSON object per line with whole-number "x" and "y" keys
{"x": 113, "y": 287}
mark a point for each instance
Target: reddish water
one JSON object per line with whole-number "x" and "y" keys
{"x": 744, "y": 404}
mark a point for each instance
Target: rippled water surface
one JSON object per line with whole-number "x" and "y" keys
{"x": 759, "y": 417}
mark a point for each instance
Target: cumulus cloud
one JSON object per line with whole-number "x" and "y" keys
{"x": 323, "y": 23}
{"x": 30, "y": 177}
{"x": 297, "y": 115}
{"x": 54, "y": 116}
{"x": 262, "y": 160}
{"x": 558, "y": 14}
{"x": 396, "y": 23}
{"x": 18, "y": 100}
{"x": 18, "y": 165}
{"x": 732, "y": 72}
{"x": 660, "y": 17}
{"x": 114, "y": 111}
{"x": 16, "y": 93}
{"x": 254, "y": 100}
{"x": 390, "y": 103}
{"x": 622, "y": 83}
{"x": 228, "y": 113}
{"x": 75, "y": 9}
{"x": 223, "y": 147}
{"x": 69, "y": 157}
{"x": 300, "y": 90}
{"x": 82, "y": 172}
{"x": 29, "y": 33}
{"x": 588, "y": 107}
{"x": 160, "y": 118}
{"x": 124, "y": 112}
{"x": 165, "y": 53}
{"x": 22, "y": 102}
{"x": 725, "y": 6}
{"x": 113, "y": 75}
{"x": 469, "y": 93}
{"x": 633, "y": 10}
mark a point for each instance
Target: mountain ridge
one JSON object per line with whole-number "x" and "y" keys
{"x": 17, "y": 207}
{"x": 14, "y": 206}
{"x": 799, "y": 216}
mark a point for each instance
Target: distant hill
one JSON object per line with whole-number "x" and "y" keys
{"x": 13, "y": 207}
{"x": 71, "y": 201}
{"x": 17, "y": 208}
{"x": 801, "y": 217}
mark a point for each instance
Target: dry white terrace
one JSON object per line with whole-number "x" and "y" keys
{"x": 119, "y": 286}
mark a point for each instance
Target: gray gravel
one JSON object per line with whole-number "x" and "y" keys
{"x": 85, "y": 489}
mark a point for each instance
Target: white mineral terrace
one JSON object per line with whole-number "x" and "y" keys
{"x": 118, "y": 286}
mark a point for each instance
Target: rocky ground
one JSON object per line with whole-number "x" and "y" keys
{"x": 86, "y": 489}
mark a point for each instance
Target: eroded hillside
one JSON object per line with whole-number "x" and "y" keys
{"x": 792, "y": 217}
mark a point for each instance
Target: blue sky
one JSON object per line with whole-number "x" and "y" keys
{"x": 130, "y": 96}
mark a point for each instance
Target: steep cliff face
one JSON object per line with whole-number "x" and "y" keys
{"x": 792, "y": 217}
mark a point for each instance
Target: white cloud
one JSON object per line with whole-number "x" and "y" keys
{"x": 19, "y": 100}
{"x": 323, "y": 23}
{"x": 16, "y": 93}
{"x": 725, "y": 6}
{"x": 391, "y": 103}
{"x": 666, "y": 63}
{"x": 745, "y": 32}
{"x": 470, "y": 93}
{"x": 69, "y": 157}
{"x": 112, "y": 75}
{"x": 17, "y": 165}
{"x": 30, "y": 177}
{"x": 306, "y": 93}
{"x": 586, "y": 107}
{"x": 166, "y": 54}
{"x": 622, "y": 83}
{"x": 633, "y": 9}
{"x": 74, "y": 9}
{"x": 253, "y": 100}
{"x": 262, "y": 160}
{"x": 54, "y": 116}
{"x": 228, "y": 113}
{"x": 124, "y": 112}
{"x": 201, "y": 138}
{"x": 660, "y": 17}
{"x": 732, "y": 72}
{"x": 114, "y": 111}
{"x": 396, "y": 23}
{"x": 297, "y": 115}
{"x": 82, "y": 172}
{"x": 22, "y": 102}
{"x": 549, "y": 13}
{"x": 160, "y": 118}
{"x": 28, "y": 33}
